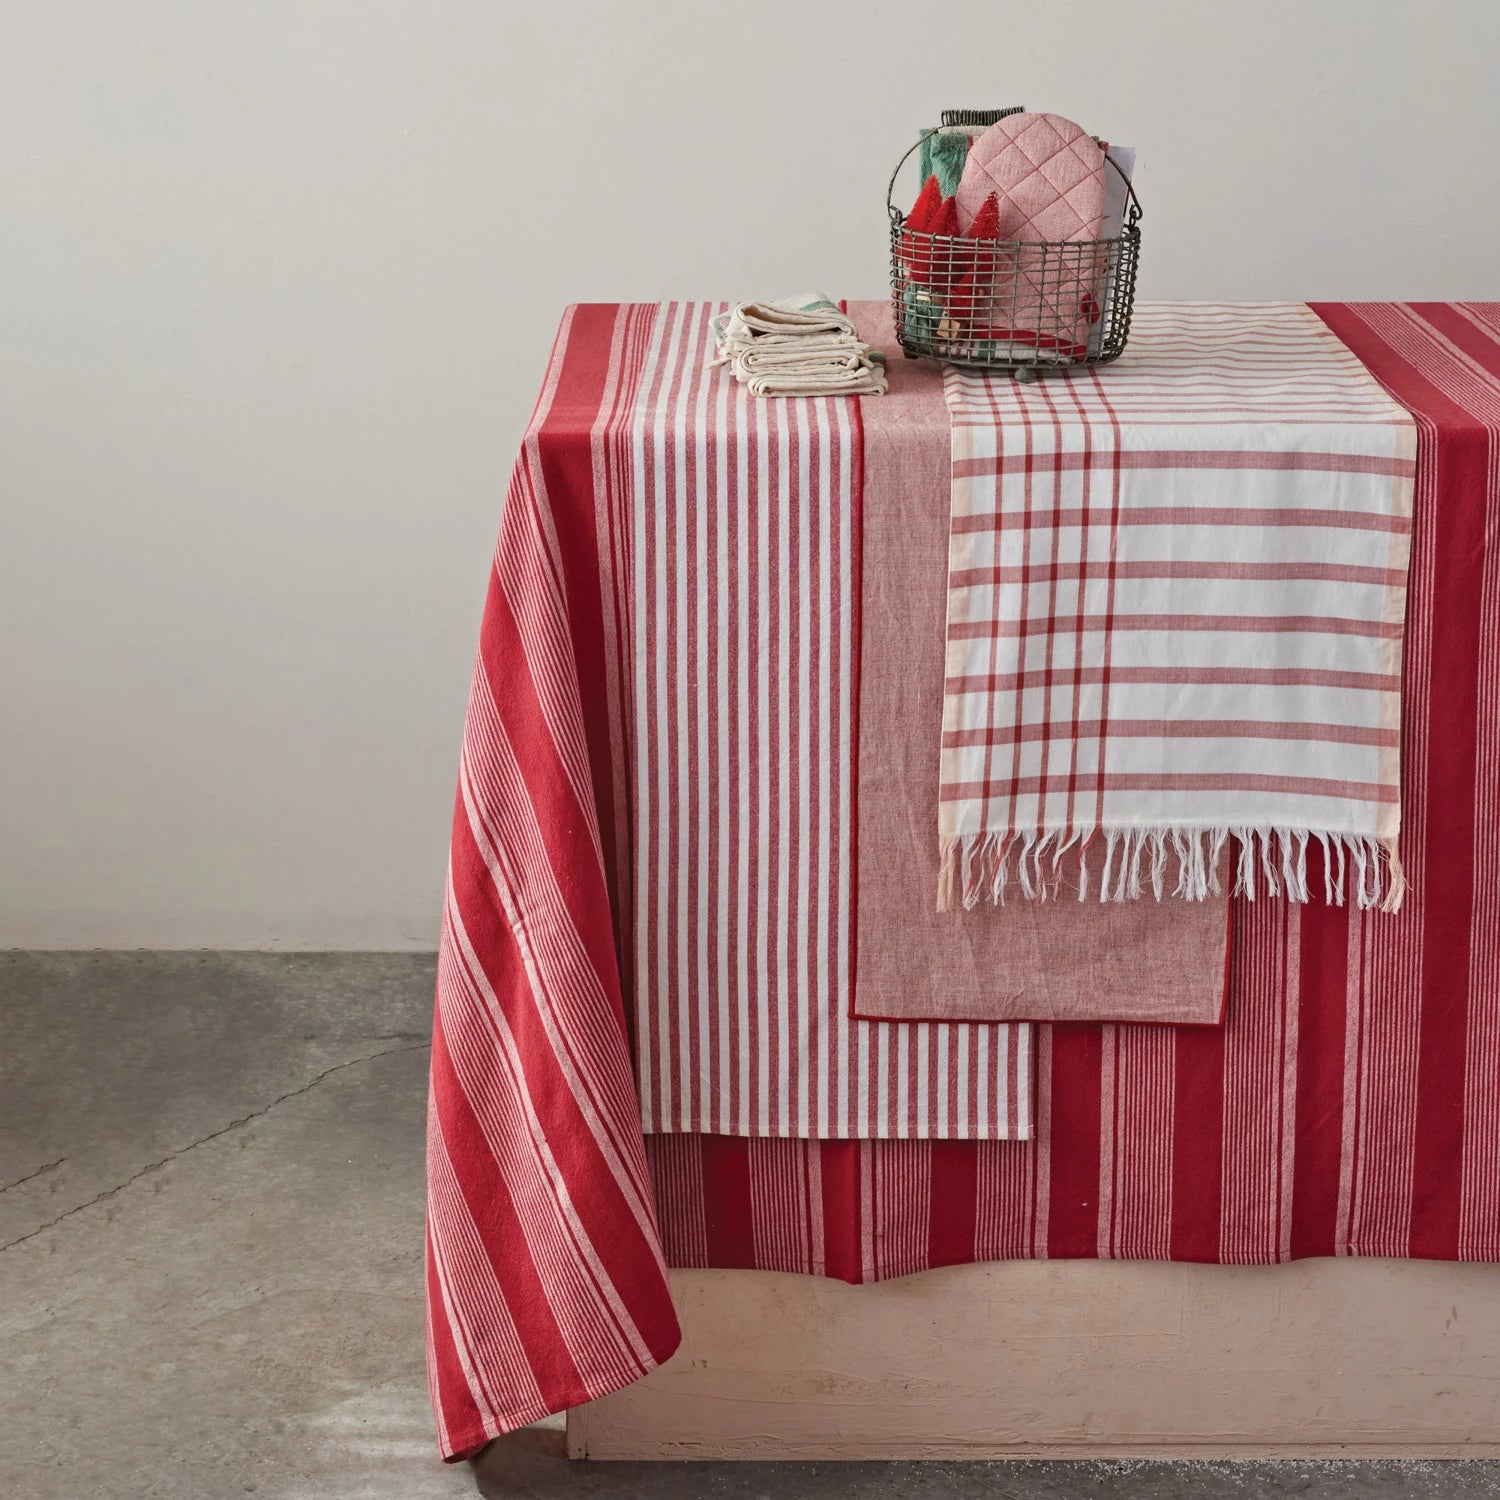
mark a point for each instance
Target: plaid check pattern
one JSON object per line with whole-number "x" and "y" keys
{"x": 1176, "y": 597}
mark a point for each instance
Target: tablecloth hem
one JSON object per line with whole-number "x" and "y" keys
{"x": 479, "y": 1435}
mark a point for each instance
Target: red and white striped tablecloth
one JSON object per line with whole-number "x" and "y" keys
{"x": 1350, "y": 1105}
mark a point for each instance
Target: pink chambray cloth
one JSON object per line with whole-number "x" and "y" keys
{"x": 1134, "y": 961}
{"x": 1047, "y": 176}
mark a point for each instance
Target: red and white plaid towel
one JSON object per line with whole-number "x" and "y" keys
{"x": 1176, "y": 596}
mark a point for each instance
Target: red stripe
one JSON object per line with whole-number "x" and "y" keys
{"x": 1319, "y": 1100}
{"x": 1201, "y": 458}
{"x": 954, "y": 1194}
{"x": 1277, "y": 572}
{"x": 1197, "y": 1144}
{"x": 1190, "y": 515}
{"x": 1116, "y": 514}
{"x": 567, "y": 466}
{"x": 728, "y": 1212}
{"x": 1069, "y": 673}
{"x": 1250, "y": 729}
{"x": 843, "y": 1211}
{"x": 1072, "y": 1143}
{"x": 1049, "y": 646}
{"x": 1387, "y": 630}
{"x": 1122, "y": 781}
{"x": 1216, "y": 676}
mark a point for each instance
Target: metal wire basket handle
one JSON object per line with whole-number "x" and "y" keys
{"x": 979, "y": 116}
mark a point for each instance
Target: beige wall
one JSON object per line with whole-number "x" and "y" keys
{"x": 278, "y": 277}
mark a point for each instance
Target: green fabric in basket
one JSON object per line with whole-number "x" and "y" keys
{"x": 943, "y": 157}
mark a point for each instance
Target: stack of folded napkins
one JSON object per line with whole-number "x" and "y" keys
{"x": 799, "y": 346}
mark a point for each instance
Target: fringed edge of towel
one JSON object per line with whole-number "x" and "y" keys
{"x": 1273, "y": 861}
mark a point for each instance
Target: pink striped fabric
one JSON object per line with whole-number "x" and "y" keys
{"x": 736, "y": 628}
{"x": 1175, "y": 602}
{"x": 1350, "y": 1105}
{"x": 545, "y": 1280}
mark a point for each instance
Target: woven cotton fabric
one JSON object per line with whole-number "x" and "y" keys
{"x": 1162, "y": 962}
{"x": 1349, "y": 1106}
{"x": 734, "y": 615}
{"x": 1176, "y": 594}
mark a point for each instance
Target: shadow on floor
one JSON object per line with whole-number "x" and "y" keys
{"x": 533, "y": 1464}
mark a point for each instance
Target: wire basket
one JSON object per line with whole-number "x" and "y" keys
{"x": 1021, "y": 305}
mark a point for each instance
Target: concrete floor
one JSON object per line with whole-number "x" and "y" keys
{"x": 210, "y": 1232}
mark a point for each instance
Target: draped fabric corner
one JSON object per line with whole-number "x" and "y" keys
{"x": 546, "y": 1284}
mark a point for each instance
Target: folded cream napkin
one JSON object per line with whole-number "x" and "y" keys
{"x": 861, "y": 382}
{"x": 808, "y": 312}
{"x": 798, "y": 346}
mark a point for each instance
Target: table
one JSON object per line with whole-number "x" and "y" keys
{"x": 1350, "y": 1105}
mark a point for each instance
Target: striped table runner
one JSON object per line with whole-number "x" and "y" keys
{"x": 1175, "y": 600}
{"x": 734, "y": 527}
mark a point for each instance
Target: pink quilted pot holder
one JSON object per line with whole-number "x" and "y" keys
{"x": 1047, "y": 175}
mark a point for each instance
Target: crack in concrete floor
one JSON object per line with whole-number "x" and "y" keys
{"x": 214, "y": 1135}
{"x": 31, "y": 1176}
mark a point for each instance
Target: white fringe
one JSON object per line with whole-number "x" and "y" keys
{"x": 1272, "y": 861}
